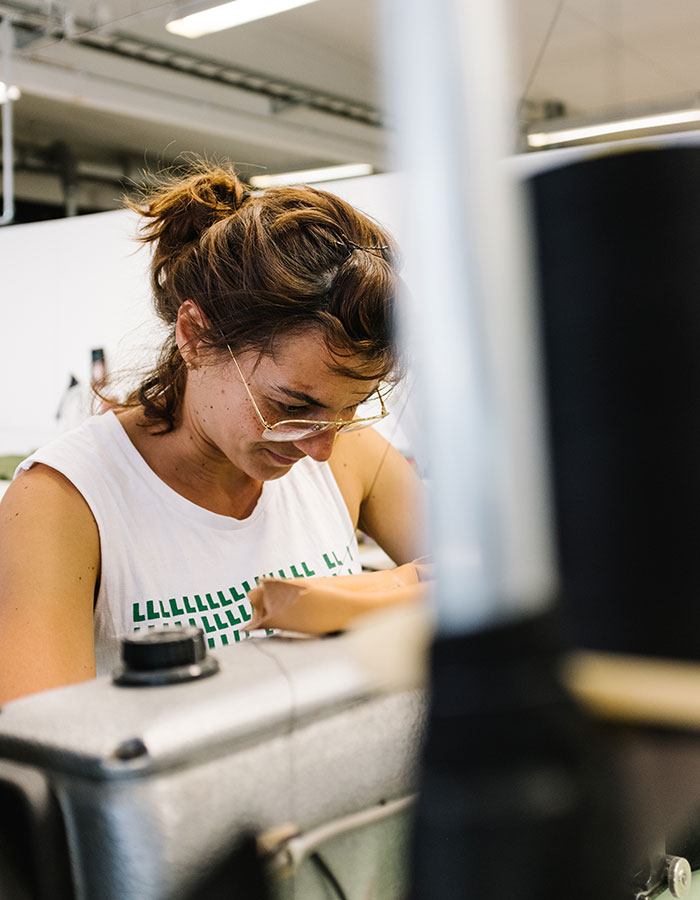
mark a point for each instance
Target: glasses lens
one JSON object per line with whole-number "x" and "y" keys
{"x": 294, "y": 431}
{"x": 363, "y": 423}
{"x": 367, "y": 413}
{"x": 370, "y": 409}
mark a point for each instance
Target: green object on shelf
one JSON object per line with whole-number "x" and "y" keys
{"x": 8, "y": 464}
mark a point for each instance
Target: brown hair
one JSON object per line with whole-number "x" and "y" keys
{"x": 259, "y": 265}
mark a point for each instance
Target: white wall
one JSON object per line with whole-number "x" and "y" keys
{"x": 67, "y": 286}
{"x": 73, "y": 284}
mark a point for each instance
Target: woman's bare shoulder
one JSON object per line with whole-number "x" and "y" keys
{"x": 46, "y": 522}
{"x": 40, "y": 491}
{"x": 49, "y": 568}
{"x": 359, "y": 450}
{"x": 354, "y": 456}
{"x": 382, "y": 491}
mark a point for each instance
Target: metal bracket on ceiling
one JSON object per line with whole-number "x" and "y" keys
{"x": 278, "y": 106}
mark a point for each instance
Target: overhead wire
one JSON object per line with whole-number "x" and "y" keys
{"x": 616, "y": 41}
{"x": 621, "y": 45}
{"x": 540, "y": 55}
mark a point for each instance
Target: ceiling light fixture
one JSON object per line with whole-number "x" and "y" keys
{"x": 195, "y": 19}
{"x": 9, "y": 92}
{"x": 540, "y": 138}
{"x": 309, "y": 176}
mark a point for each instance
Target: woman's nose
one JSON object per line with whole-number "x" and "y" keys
{"x": 318, "y": 446}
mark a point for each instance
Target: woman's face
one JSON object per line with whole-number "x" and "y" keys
{"x": 297, "y": 383}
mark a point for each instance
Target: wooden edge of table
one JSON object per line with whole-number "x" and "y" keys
{"x": 635, "y": 689}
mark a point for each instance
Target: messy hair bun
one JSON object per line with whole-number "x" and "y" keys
{"x": 178, "y": 212}
{"x": 260, "y": 265}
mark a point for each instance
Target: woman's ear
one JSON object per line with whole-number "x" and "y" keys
{"x": 189, "y": 326}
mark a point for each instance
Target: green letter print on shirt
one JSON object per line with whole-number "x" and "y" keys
{"x": 221, "y": 614}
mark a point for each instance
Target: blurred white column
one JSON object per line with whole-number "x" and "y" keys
{"x": 470, "y": 321}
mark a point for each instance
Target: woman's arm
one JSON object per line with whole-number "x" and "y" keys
{"x": 382, "y": 491}
{"x": 326, "y": 604}
{"x": 49, "y": 567}
{"x": 384, "y": 498}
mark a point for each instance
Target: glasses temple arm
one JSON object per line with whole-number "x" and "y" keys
{"x": 252, "y": 398}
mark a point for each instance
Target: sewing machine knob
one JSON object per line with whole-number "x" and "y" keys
{"x": 679, "y": 876}
{"x": 164, "y": 656}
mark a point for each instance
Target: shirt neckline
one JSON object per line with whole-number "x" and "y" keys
{"x": 176, "y": 500}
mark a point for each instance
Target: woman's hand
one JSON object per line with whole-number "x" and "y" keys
{"x": 322, "y": 605}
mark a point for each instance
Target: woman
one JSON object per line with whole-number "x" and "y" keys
{"x": 243, "y": 455}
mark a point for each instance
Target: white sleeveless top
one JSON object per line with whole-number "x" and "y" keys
{"x": 168, "y": 562}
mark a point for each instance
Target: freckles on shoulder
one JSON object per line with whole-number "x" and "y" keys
{"x": 348, "y": 449}
{"x": 355, "y": 462}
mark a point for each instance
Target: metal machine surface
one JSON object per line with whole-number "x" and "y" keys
{"x": 150, "y": 788}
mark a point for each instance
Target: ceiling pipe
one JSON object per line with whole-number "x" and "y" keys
{"x": 8, "y": 183}
{"x": 36, "y": 23}
{"x": 63, "y": 162}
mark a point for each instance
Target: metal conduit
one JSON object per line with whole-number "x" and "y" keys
{"x": 8, "y": 185}
{"x": 35, "y": 22}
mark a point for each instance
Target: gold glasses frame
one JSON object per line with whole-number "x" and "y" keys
{"x": 308, "y": 427}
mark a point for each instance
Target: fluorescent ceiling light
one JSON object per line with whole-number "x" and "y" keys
{"x": 195, "y": 19}
{"x": 307, "y": 176}
{"x": 619, "y": 126}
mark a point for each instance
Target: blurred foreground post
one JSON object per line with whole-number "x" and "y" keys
{"x": 516, "y": 800}
{"x": 617, "y": 244}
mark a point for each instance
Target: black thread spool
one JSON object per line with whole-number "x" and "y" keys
{"x": 618, "y": 244}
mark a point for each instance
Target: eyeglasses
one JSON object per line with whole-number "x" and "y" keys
{"x": 298, "y": 429}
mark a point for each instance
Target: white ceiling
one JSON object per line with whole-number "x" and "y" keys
{"x": 608, "y": 53}
{"x": 118, "y": 114}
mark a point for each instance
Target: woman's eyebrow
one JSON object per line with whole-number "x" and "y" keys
{"x": 312, "y": 401}
{"x": 301, "y": 396}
